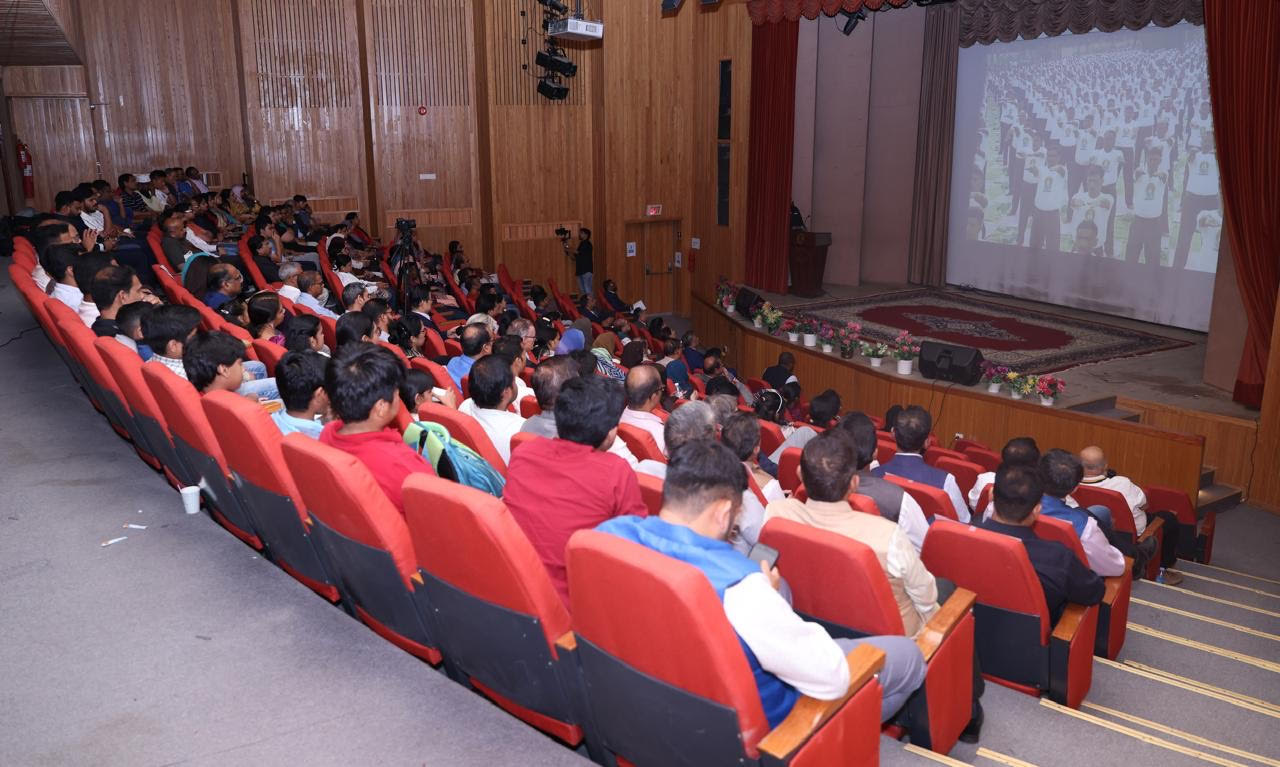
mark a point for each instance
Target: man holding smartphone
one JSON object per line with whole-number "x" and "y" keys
{"x": 583, "y": 266}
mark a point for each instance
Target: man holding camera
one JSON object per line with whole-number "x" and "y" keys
{"x": 582, "y": 265}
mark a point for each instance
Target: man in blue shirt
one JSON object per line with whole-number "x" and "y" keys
{"x": 476, "y": 343}
{"x": 300, "y": 379}
{"x": 225, "y": 282}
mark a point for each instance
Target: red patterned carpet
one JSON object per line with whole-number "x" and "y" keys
{"x": 1025, "y": 339}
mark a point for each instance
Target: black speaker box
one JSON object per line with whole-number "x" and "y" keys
{"x": 948, "y": 362}
{"x": 746, "y": 300}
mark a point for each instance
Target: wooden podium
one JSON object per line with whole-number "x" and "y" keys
{"x": 808, "y": 262}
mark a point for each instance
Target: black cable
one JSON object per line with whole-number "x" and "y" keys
{"x": 37, "y": 327}
{"x": 1257, "y": 423}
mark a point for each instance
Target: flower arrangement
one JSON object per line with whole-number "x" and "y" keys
{"x": 904, "y": 347}
{"x": 1050, "y": 386}
{"x": 993, "y": 373}
{"x": 847, "y": 337}
{"x": 726, "y": 294}
{"x": 1020, "y": 384}
{"x": 875, "y": 349}
{"x": 827, "y": 334}
{"x": 770, "y": 317}
{"x": 806, "y": 324}
{"x": 788, "y": 325}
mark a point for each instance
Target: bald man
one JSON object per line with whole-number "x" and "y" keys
{"x": 1097, "y": 474}
{"x": 644, "y": 393}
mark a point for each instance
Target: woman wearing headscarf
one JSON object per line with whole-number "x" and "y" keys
{"x": 602, "y": 348}
{"x": 570, "y": 342}
{"x": 633, "y": 354}
{"x": 583, "y": 325}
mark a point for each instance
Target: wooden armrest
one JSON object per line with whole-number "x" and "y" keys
{"x": 1155, "y": 524}
{"x": 1070, "y": 621}
{"x": 944, "y": 622}
{"x": 450, "y": 324}
{"x": 417, "y": 578}
{"x": 809, "y": 714}
{"x": 567, "y": 642}
{"x": 1112, "y": 584}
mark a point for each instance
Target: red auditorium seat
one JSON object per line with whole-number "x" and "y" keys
{"x": 989, "y": 460}
{"x": 529, "y": 407}
{"x": 859, "y": 502}
{"x": 757, "y": 384}
{"x": 1016, "y": 645}
{"x": 268, "y": 354}
{"x": 396, "y": 350}
{"x": 498, "y": 619}
{"x": 1122, "y": 520}
{"x": 650, "y": 491}
{"x": 840, "y": 583}
{"x": 885, "y": 450}
{"x": 1113, "y": 613}
{"x": 438, "y": 374}
{"x": 251, "y": 266}
{"x": 522, "y": 437}
{"x": 251, "y": 443}
{"x": 962, "y": 444}
{"x": 965, "y": 472}
{"x": 770, "y": 437}
{"x": 198, "y": 448}
{"x": 983, "y": 499}
{"x": 667, "y": 679}
{"x": 566, "y": 306}
{"x": 932, "y": 454}
{"x": 789, "y": 469}
{"x": 366, "y": 542}
{"x": 933, "y": 501}
{"x": 98, "y": 382}
{"x": 434, "y": 347}
{"x": 466, "y": 430}
{"x": 640, "y": 442}
{"x": 62, "y": 319}
{"x": 126, "y": 368}
{"x": 698, "y": 386}
{"x": 154, "y": 238}
{"x": 1195, "y": 540}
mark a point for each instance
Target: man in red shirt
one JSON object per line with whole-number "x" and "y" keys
{"x": 556, "y": 487}
{"x": 363, "y": 384}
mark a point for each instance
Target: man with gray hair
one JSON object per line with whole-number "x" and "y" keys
{"x": 289, "y": 272}
{"x": 548, "y": 378}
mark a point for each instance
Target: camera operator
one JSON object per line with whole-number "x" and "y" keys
{"x": 582, "y": 262}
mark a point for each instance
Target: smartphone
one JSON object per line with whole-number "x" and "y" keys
{"x": 763, "y": 553}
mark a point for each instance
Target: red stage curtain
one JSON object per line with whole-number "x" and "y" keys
{"x": 1244, "y": 84}
{"x": 773, "y": 104}
{"x": 772, "y": 11}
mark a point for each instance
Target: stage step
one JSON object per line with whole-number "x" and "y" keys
{"x": 1106, "y": 408}
{"x": 1206, "y": 476}
{"x": 1217, "y": 498}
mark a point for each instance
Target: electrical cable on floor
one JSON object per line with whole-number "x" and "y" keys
{"x": 37, "y": 327}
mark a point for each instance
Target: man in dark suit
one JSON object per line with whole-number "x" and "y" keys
{"x": 1063, "y": 577}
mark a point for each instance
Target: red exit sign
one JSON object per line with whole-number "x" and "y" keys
{"x": 653, "y": 210}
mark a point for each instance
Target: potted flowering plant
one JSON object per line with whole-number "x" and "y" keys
{"x": 726, "y": 295}
{"x": 770, "y": 317}
{"x": 905, "y": 348}
{"x": 1049, "y": 387}
{"x": 875, "y": 351}
{"x": 808, "y": 328}
{"x": 1020, "y": 385}
{"x": 827, "y": 337}
{"x": 848, "y": 338}
{"x": 994, "y": 376}
{"x": 789, "y": 327}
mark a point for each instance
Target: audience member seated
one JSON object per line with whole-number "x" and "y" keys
{"x": 556, "y": 487}
{"x": 354, "y": 297}
{"x": 644, "y": 394}
{"x": 305, "y": 333}
{"x": 492, "y": 391}
{"x": 602, "y": 347}
{"x": 476, "y": 343}
{"x": 634, "y": 354}
{"x": 894, "y": 503}
{"x": 781, "y": 374}
{"x": 714, "y": 372}
{"x": 59, "y": 263}
{"x": 524, "y": 331}
{"x": 261, "y": 252}
{"x": 380, "y": 312}
{"x": 548, "y": 378}
{"x": 911, "y": 431}
{"x": 311, "y": 287}
{"x": 266, "y": 316}
{"x": 671, "y": 354}
{"x": 175, "y": 245}
{"x": 112, "y": 288}
{"x": 614, "y": 300}
{"x": 1098, "y": 474}
{"x": 692, "y": 355}
{"x": 420, "y": 303}
{"x": 288, "y": 273}
{"x": 86, "y": 267}
{"x": 300, "y": 379}
{"x": 740, "y": 432}
{"x": 214, "y": 361}
{"x": 353, "y": 328}
{"x": 129, "y": 323}
{"x": 823, "y": 412}
{"x": 788, "y": 655}
{"x": 166, "y": 331}
{"x": 363, "y": 384}
{"x": 511, "y": 349}
{"x": 225, "y": 282}
{"x": 1016, "y": 502}
{"x": 47, "y": 234}
{"x": 409, "y": 333}
{"x": 1059, "y": 473}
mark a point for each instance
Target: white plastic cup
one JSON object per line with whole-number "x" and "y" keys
{"x": 191, "y": 499}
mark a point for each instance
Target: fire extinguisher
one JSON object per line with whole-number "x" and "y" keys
{"x": 24, "y": 164}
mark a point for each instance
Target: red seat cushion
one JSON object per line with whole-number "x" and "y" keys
{"x": 180, "y": 403}
{"x": 252, "y": 444}
{"x": 640, "y": 442}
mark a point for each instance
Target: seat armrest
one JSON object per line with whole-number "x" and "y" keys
{"x": 448, "y": 325}
{"x": 809, "y": 714}
{"x": 1170, "y": 499}
{"x": 944, "y": 622}
{"x": 1070, "y": 621}
{"x": 567, "y": 642}
{"x": 1113, "y": 584}
{"x": 1155, "y": 524}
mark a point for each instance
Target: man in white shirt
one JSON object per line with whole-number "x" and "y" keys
{"x": 1091, "y": 205}
{"x": 788, "y": 655}
{"x": 1019, "y": 451}
{"x": 289, "y": 272}
{"x": 1086, "y": 145}
{"x": 894, "y": 503}
{"x": 644, "y": 393}
{"x": 1050, "y": 199}
{"x": 1201, "y": 194}
{"x": 59, "y": 262}
{"x": 1097, "y": 474}
{"x": 1126, "y": 142}
{"x": 310, "y": 286}
{"x": 1032, "y": 157}
{"x": 1149, "y": 222}
{"x": 492, "y": 389}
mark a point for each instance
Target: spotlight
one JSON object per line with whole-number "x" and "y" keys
{"x": 552, "y": 87}
{"x": 555, "y": 6}
{"x": 554, "y": 60}
{"x": 851, "y": 20}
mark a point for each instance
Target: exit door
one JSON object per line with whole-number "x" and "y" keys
{"x": 656, "y": 245}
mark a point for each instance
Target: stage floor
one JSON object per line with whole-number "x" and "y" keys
{"x": 1171, "y": 377}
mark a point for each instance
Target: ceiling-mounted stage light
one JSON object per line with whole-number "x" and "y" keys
{"x": 554, "y": 60}
{"x": 851, "y": 20}
{"x": 552, "y": 87}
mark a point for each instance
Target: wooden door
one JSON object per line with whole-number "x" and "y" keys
{"x": 656, "y": 246}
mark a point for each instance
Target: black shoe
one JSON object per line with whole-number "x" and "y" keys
{"x": 973, "y": 730}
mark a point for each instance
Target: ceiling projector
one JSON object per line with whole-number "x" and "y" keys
{"x": 576, "y": 29}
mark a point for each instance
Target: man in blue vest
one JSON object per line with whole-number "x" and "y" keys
{"x": 788, "y": 656}
{"x": 910, "y": 430}
{"x": 1059, "y": 473}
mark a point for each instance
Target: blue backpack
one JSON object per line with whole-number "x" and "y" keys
{"x": 452, "y": 459}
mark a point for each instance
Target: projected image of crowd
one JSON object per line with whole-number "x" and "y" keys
{"x": 1107, "y": 154}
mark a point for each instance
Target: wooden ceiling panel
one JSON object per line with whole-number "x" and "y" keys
{"x": 30, "y": 35}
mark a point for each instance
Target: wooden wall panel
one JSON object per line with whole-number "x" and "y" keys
{"x": 303, "y": 98}
{"x": 162, "y": 77}
{"x": 44, "y": 82}
{"x": 1228, "y": 442}
{"x": 1265, "y": 488}
{"x": 59, "y": 134}
{"x": 34, "y": 33}
{"x": 421, "y": 54}
{"x": 1149, "y": 455}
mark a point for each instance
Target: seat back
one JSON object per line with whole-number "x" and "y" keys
{"x": 341, "y": 493}
{"x": 989, "y": 460}
{"x": 268, "y": 353}
{"x": 566, "y": 306}
{"x": 396, "y": 350}
{"x": 521, "y": 438}
{"x": 529, "y": 407}
{"x": 438, "y": 374}
{"x": 250, "y": 265}
{"x": 673, "y": 630}
{"x": 757, "y": 384}
{"x": 962, "y": 444}
{"x": 466, "y": 430}
{"x": 984, "y": 498}
{"x": 834, "y": 578}
{"x": 252, "y": 445}
{"x": 965, "y": 472}
{"x": 789, "y": 469}
{"x": 933, "y": 501}
{"x": 650, "y": 492}
{"x": 770, "y": 437}
{"x": 1061, "y": 531}
{"x": 931, "y": 455}
{"x": 153, "y": 241}
{"x": 126, "y": 367}
{"x": 640, "y": 442}
{"x": 1121, "y": 516}
{"x": 863, "y": 503}
{"x": 434, "y": 346}
{"x": 885, "y": 450}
